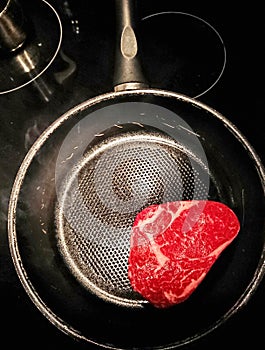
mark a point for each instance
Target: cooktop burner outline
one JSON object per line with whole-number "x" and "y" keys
{"x": 216, "y": 74}
{"x": 25, "y": 58}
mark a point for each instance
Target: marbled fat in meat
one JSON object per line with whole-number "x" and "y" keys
{"x": 174, "y": 245}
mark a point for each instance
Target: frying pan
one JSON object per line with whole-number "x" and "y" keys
{"x": 92, "y": 170}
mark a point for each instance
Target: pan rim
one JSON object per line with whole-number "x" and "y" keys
{"x": 22, "y": 171}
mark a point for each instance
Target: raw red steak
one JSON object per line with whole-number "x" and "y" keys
{"x": 173, "y": 246}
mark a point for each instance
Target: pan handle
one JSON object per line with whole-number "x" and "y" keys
{"x": 128, "y": 71}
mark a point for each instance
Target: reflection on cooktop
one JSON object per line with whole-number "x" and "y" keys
{"x": 205, "y": 51}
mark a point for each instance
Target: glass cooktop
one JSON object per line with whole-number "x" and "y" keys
{"x": 211, "y": 52}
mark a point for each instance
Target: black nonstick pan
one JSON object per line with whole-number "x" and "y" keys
{"x": 80, "y": 186}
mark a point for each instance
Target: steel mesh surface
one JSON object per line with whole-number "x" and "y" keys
{"x": 103, "y": 195}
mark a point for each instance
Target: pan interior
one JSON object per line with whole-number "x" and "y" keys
{"x": 87, "y": 177}
{"x": 102, "y": 194}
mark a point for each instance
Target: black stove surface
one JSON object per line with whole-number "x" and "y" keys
{"x": 211, "y": 52}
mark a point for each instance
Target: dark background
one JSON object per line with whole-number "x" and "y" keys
{"x": 174, "y": 58}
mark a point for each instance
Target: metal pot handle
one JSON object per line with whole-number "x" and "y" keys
{"x": 13, "y": 26}
{"x": 128, "y": 71}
